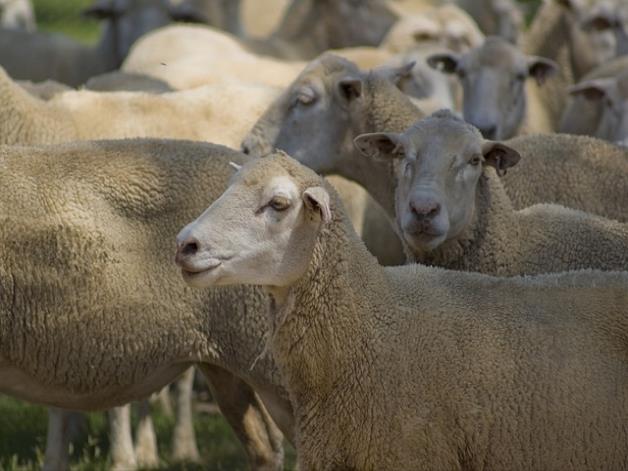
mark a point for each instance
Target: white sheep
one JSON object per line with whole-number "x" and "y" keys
{"x": 416, "y": 367}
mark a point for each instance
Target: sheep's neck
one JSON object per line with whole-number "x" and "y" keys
{"x": 324, "y": 341}
{"x": 387, "y": 109}
{"x": 489, "y": 244}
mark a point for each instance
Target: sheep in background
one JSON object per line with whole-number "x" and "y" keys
{"x": 498, "y": 99}
{"x": 492, "y": 359}
{"x": 18, "y": 15}
{"x": 344, "y": 102}
{"x": 452, "y": 209}
{"x": 41, "y": 56}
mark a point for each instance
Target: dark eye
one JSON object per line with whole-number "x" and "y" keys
{"x": 520, "y": 77}
{"x": 475, "y": 160}
{"x": 461, "y": 73}
{"x": 279, "y": 203}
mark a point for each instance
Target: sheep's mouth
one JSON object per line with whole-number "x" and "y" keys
{"x": 424, "y": 240}
{"x": 193, "y": 273}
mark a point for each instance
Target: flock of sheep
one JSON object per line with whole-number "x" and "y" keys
{"x": 451, "y": 295}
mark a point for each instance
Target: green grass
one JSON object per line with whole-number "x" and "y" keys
{"x": 23, "y": 435}
{"x": 64, "y": 16}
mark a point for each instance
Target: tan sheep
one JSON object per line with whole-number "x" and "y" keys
{"x": 505, "y": 373}
{"x": 597, "y": 105}
{"x": 93, "y": 332}
{"x": 452, "y": 210}
{"x": 207, "y": 113}
{"x": 498, "y": 98}
{"x": 555, "y": 168}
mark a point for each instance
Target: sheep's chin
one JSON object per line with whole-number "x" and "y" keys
{"x": 424, "y": 242}
{"x": 203, "y": 279}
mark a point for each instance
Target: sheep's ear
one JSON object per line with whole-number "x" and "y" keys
{"x": 446, "y": 62}
{"x": 185, "y": 13}
{"x": 100, "y": 10}
{"x": 350, "y": 88}
{"x": 396, "y": 74}
{"x": 500, "y": 156}
{"x": 591, "y": 89}
{"x": 316, "y": 199}
{"x": 541, "y": 68}
{"x": 381, "y": 145}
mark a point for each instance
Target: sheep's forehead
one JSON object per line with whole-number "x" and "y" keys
{"x": 449, "y": 134}
{"x": 498, "y": 53}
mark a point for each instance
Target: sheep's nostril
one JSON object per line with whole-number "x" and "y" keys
{"x": 190, "y": 248}
{"x": 245, "y": 149}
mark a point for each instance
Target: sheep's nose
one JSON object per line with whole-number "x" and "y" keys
{"x": 488, "y": 132}
{"x": 186, "y": 248}
{"x": 425, "y": 210}
{"x": 245, "y": 148}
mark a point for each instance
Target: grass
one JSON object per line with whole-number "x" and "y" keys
{"x": 64, "y": 16}
{"x": 23, "y": 435}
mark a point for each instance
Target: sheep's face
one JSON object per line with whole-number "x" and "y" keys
{"x": 596, "y": 29}
{"x": 493, "y": 78}
{"x": 316, "y": 119}
{"x": 310, "y": 120}
{"x": 439, "y": 162}
{"x": 261, "y": 231}
{"x": 612, "y": 96}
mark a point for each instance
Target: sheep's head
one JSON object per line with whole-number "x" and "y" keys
{"x": 314, "y": 119}
{"x": 438, "y": 163}
{"x": 612, "y": 95}
{"x": 261, "y": 231}
{"x": 597, "y": 31}
{"x": 493, "y": 79}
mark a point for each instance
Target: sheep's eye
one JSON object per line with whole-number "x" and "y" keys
{"x": 461, "y": 73}
{"x": 305, "y": 96}
{"x": 475, "y": 160}
{"x": 279, "y": 203}
{"x": 407, "y": 169}
{"x": 520, "y": 77}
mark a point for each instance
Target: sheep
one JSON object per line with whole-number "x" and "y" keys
{"x": 493, "y": 378}
{"x": 86, "y": 330}
{"x": 612, "y": 96}
{"x": 556, "y": 168}
{"x": 71, "y": 117}
{"x": 452, "y": 210}
{"x": 17, "y": 14}
{"x": 596, "y": 105}
{"x": 498, "y": 100}
{"x": 41, "y": 56}
{"x": 206, "y": 113}
{"x": 590, "y": 43}
{"x": 446, "y": 26}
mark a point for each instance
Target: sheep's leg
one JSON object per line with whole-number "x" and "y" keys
{"x": 146, "y": 439}
{"x": 121, "y": 442}
{"x": 163, "y": 399}
{"x": 56, "y": 457}
{"x": 249, "y": 419}
{"x": 184, "y": 446}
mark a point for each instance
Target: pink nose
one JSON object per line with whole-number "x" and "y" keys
{"x": 426, "y": 209}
